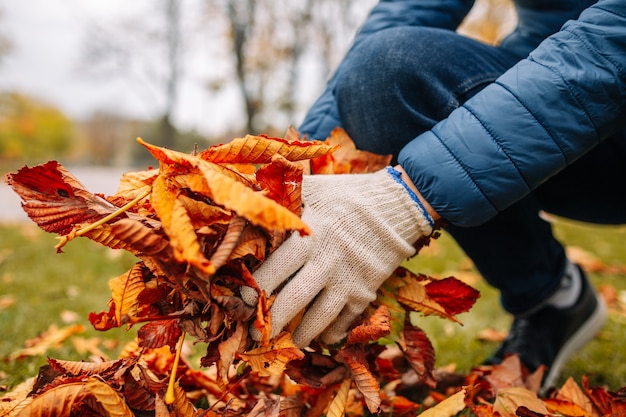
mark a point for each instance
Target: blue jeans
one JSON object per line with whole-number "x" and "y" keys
{"x": 402, "y": 81}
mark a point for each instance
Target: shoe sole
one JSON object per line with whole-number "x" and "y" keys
{"x": 583, "y": 335}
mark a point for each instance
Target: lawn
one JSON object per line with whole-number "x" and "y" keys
{"x": 40, "y": 288}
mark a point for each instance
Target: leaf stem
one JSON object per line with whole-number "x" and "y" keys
{"x": 169, "y": 395}
{"x": 64, "y": 239}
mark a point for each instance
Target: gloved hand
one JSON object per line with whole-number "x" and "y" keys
{"x": 363, "y": 225}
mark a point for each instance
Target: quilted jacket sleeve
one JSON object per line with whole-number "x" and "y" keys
{"x": 323, "y": 115}
{"x": 536, "y": 119}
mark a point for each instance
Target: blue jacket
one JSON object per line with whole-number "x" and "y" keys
{"x": 566, "y": 96}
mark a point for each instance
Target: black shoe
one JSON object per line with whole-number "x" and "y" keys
{"x": 550, "y": 336}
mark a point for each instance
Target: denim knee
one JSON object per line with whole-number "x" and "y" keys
{"x": 401, "y": 81}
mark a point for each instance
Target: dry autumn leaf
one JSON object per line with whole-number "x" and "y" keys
{"x": 200, "y": 225}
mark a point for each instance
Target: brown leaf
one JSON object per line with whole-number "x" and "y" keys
{"x": 509, "y": 399}
{"x": 252, "y": 243}
{"x": 228, "y": 350}
{"x": 86, "y": 368}
{"x": 354, "y": 357}
{"x": 420, "y": 353}
{"x": 57, "y": 401}
{"x": 140, "y": 238}
{"x": 609, "y": 403}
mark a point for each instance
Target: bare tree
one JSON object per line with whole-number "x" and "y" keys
{"x": 274, "y": 44}
{"x": 146, "y": 52}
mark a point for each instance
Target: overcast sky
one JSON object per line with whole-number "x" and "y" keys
{"x": 47, "y": 61}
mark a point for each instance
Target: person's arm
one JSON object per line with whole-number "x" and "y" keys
{"x": 323, "y": 116}
{"x": 536, "y": 119}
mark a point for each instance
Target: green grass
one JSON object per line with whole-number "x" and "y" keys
{"x": 44, "y": 284}
{"x": 45, "y": 288}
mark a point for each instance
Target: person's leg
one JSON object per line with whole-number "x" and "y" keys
{"x": 400, "y": 84}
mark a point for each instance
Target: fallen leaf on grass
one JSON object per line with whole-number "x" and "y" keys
{"x": 52, "y": 338}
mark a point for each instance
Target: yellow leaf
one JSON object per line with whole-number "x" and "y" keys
{"x": 110, "y": 400}
{"x": 451, "y": 406}
{"x": 272, "y": 360}
{"x": 337, "y": 407}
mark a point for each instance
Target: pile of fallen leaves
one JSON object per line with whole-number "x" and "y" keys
{"x": 200, "y": 225}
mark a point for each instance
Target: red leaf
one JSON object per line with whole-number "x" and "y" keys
{"x": 453, "y": 295}
{"x": 159, "y": 333}
{"x": 54, "y": 199}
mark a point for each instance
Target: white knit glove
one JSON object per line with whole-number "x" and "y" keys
{"x": 364, "y": 226}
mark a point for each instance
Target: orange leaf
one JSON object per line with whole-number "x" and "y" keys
{"x": 51, "y": 338}
{"x": 282, "y": 180}
{"x": 347, "y": 158}
{"x": 273, "y": 359}
{"x": 261, "y": 149}
{"x": 564, "y": 407}
{"x": 571, "y": 391}
{"x": 57, "y": 401}
{"x": 252, "y": 205}
{"x": 177, "y": 224}
{"x": 366, "y": 382}
{"x": 124, "y": 291}
{"x": 372, "y": 329}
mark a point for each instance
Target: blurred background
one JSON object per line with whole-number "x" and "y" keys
{"x": 80, "y": 80}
